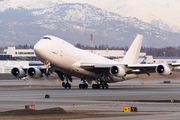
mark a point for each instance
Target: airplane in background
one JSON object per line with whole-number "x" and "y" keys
{"x": 66, "y": 60}
{"x": 144, "y": 61}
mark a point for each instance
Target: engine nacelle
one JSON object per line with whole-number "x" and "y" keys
{"x": 34, "y": 72}
{"x": 117, "y": 71}
{"x": 18, "y": 72}
{"x": 163, "y": 70}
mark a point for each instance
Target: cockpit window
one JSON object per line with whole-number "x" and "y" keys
{"x": 46, "y": 38}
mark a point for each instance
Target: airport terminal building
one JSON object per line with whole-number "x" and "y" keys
{"x": 27, "y": 57}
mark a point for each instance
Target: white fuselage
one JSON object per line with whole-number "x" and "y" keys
{"x": 67, "y": 58}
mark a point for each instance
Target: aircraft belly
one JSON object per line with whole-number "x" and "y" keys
{"x": 120, "y": 79}
{"x": 79, "y": 72}
{"x": 115, "y": 79}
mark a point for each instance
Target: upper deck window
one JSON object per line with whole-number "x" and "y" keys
{"x": 46, "y": 38}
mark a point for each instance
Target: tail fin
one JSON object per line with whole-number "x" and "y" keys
{"x": 144, "y": 61}
{"x": 132, "y": 55}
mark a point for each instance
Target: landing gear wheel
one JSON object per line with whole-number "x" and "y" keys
{"x": 66, "y": 85}
{"x": 93, "y": 86}
{"x": 107, "y": 86}
{"x": 86, "y": 86}
{"x": 83, "y": 86}
{"x": 99, "y": 86}
{"x": 96, "y": 86}
{"x": 69, "y": 86}
{"x": 63, "y": 84}
{"x": 79, "y": 86}
{"x": 102, "y": 86}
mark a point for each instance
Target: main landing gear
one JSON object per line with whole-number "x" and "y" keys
{"x": 102, "y": 85}
{"x": 67, "y": 84}
{"x": 84, "y": 85}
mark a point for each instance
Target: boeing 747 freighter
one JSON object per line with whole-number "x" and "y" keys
{"x": 66, "y": 60}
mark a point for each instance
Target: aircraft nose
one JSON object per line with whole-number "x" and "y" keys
{"x": 40, "y": 49}
{"x": 37, "y": 49}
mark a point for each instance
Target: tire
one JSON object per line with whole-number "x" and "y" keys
{"x": 63, "y": 84}
{"x": 102, "y": 86}
{"x": 93, "y": 86}
{"x": 82, "y": 86}
{"x": 69, "y": 86}
{"x": 107, "y": 86}
{"x": 79, "y": 86}
{"x": 99, "y": 86}
{"x": 86, "y": 86}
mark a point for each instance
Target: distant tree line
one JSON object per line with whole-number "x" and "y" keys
{"x": 156, "y": 52}
{"x": 159, "y": 52}
{"x": 100, "y": 47}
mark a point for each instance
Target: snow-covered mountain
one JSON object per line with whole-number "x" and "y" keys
{"x": 161, "y": 13}
{"x": 27, "y": 4}
{"x": 75, "y": 22}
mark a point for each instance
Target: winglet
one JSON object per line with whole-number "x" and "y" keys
{"x": 132, "y": 55}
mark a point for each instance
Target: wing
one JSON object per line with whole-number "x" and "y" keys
{"x": 142, "y": 68}
{"x": 132, "y": 68}
{"x": 23, "y": 71}
{"x": 152, "y": 67}
{"x": 8, "y": 64}
{"x": 95, "y": 67}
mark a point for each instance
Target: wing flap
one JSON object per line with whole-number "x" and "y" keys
{"x": 139, "y": 66}
{"x": 96, "y": 67}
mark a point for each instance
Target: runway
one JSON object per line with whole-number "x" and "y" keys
{"x": 154, "y": 101}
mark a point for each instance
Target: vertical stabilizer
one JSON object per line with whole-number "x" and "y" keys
{"x": 132, "y": 55}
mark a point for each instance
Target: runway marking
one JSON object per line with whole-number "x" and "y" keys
{"x": 83, "y": 105}
{"x": 176, "y": 118}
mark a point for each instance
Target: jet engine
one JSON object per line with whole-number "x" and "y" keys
{"x": 117, "y": 71}
{"x": 18, "y": 72}
{"x": 34, "y": 73}
{"x": 163, "y": 70}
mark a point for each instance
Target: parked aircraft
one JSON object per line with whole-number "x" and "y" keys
{"x": 144, "y": 61}
{"x": 66, "y": 60}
